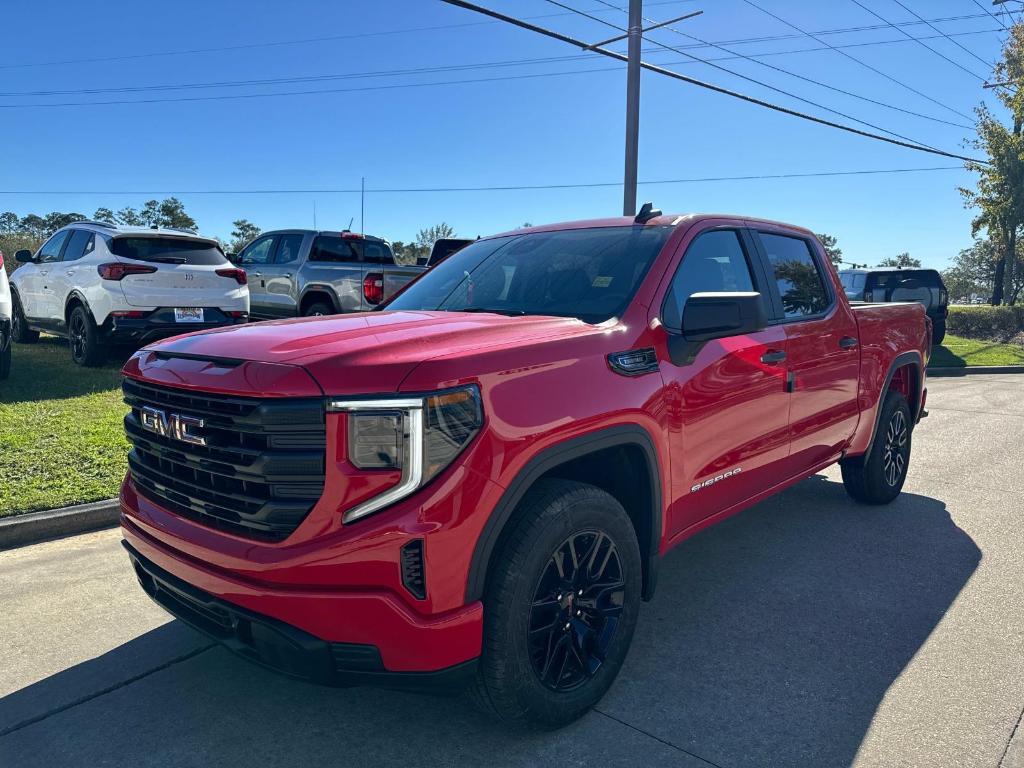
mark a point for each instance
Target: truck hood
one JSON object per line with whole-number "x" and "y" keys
{"x": 370, "y": 352}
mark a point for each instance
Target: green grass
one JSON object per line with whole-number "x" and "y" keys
{"x": 957, "y": 352}
{"x": 61, "y": 433}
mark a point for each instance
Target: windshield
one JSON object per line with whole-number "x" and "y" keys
{"x": 169, "y": 250}
{"x": 590, "y": 274}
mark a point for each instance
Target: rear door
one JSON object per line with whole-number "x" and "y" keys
{"x": 185, "y": 271}
{"x": 64, "y": 274}
{"x": 822, "y": 347}
{"x": 278, "y": 276}
{"x": 254, "y": 258}
{"x": 729, "y": 409}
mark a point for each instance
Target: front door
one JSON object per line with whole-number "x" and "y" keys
{"x": 279, "y": 276}
{"x": 728, "y": 407}
{"x": 823, "y": 353}
{"x": 254, "y": 259}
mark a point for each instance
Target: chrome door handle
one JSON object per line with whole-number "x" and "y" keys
{"x": 287, "y": 274}
{"x": 773, "y": 356}
{"x": 258, "y": 274}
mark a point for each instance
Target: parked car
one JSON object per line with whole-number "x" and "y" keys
{"x": 5, "y": 322}
{"x": 303, "y": 272}
{"x": 98, "y": 285}
{"x": 880, "y": 284}
{"x": 443, "y": 248}
{"x": 477, "y": 484}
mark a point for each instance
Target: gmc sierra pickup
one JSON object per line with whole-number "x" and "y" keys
{"x": 476, "y": 485}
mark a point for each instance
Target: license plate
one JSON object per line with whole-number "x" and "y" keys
{"x": 188, "y": 315}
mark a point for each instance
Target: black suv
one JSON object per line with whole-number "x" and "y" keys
{"x": 901, "y": 284}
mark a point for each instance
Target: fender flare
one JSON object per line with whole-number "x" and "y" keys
{"x": 326, "y": 288}
{"x": 77, "y": 295}
{"x": 609, "y": 437}
{"x": 901, "y": 360}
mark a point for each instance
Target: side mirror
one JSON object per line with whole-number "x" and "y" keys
{"x": 709, "y": 316}
{"x": 23, "y": 256}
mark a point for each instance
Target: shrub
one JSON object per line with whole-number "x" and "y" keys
{"x": 986, "y": 323}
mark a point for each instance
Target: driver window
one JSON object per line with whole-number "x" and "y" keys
{"x": 51, "y": 248}
{"x": 714, "y": 262}
{"x": 259, "y": 252}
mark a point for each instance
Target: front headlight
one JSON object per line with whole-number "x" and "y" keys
{"x": 420, "y": 436}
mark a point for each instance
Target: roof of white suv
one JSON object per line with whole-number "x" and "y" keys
{"x": 120, "y": 229}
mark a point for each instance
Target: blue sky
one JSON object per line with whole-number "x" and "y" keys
{"x": 565, "y": 128}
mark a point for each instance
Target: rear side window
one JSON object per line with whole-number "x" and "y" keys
{"x": 167, "y": 250}
{"x": 327, "y": 248}
{"x": 714, "y": 262}
{"x": 797, "y": 275}
{"x": 259, "y": 251}
{"x": 80, "y": 244}
{"x": 288, "y": 249}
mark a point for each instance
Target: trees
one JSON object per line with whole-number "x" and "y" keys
{"x": 834, "y": 252}
{"x": 902, "y": 260}
{"x": 105, "y": 215}
{"x": 973, "y": 271}
{"x": 243, "y": 233}
{"x": 426, "y": 238}
{"x": 999, "y": 196}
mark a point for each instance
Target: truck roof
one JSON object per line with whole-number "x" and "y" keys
{"x": 658, "y": 221}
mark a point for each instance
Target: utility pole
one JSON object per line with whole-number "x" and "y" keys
{"x": 636, "y": 18}
{"x": 362, "y": 205}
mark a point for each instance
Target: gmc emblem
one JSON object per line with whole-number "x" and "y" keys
{"x": 172, "y": 425}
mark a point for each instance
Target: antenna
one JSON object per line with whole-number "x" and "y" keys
{"x": 314, "y": 214}
{"x": 349, "y": 227}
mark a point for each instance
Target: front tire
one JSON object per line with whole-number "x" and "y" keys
{"x": 20, "y": 331}
{"x": 84, "y": 338}
{"x": 560, "y": 607}
{"x": 878, "y": 477}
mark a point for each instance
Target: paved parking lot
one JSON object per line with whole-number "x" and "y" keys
{"x": 807, "y": 631}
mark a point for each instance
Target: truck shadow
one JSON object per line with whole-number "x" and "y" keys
{"x": 772, "y": 640}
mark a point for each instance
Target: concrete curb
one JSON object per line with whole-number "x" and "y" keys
{"x": 970, "y": 369}
{"x": 34, "y": 527}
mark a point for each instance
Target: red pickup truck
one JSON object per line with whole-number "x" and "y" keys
{"x": 476, "y": 485}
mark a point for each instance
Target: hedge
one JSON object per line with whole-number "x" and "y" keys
{"x": 986, "y": 323}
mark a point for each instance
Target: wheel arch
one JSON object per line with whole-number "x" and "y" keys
{"x": 318, "y": 291}
{"x": 595, "y": 458}
{"x": 76, "y": 297}
{"x": 906, "y": 376}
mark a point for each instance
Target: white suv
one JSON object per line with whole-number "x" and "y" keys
{"x": 99, "y": 284}
{"x": 5, "y": 322}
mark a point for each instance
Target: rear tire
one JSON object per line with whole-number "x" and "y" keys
{"x": 938, "y": 332}
{"x": 20, "y": 331}
{"x": 878, "y": 477}
{"x": 318, "y": 309}
{"x": 84, "y": 338}
{"x": 555, "y": 636}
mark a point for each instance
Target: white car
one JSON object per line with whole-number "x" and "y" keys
{"x": 5, "y": 322}
{"x": 99, "y": 284}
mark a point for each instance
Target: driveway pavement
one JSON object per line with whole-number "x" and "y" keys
{"x": 807, "y": 631}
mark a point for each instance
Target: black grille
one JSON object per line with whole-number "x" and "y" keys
{"x": 413, "y": 573}
{"x": 259, "y": 474}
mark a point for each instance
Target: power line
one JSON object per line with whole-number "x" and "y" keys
{"x": 932, "y": 26}
{"x": 752, "y": 80}
{"x": 859, "y": 61}
{"x": 736, "y": 54}
{"x": 493, "y": 188}
{"x": 924, "y": 45}
{"x": 700, "y": 83}
{"x": 439, "y": 27}
{"x": 271, "y": 44}
{"x": 989, "y": 12}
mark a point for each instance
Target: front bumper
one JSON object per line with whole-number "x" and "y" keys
{"x": 332, "y": 613}
{"x": 280, "y": 646}
{"x": 160, "y": 324}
